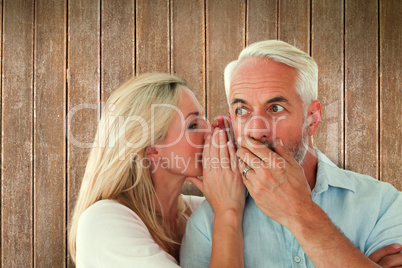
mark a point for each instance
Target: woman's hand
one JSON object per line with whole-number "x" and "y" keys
{"x": 222, "y": 182}
{"x": 225, "y": 123}
{"x": 223, "y": 187}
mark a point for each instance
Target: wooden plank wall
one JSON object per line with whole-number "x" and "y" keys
{"x": 61, "y": 59}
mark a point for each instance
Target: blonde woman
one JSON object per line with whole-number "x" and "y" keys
{"x": 129, "y": 211}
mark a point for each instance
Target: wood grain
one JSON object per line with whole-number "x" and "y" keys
{"x": 188, "y": 44}
{"x": 391, "y": 92}
{"x": 50, "y": 134}
{"x": 1, "y": 121}
{"x": 153, "y": 36}
{"x": 262, "y": 20}
{"x": 16, "y": 135}
{"x": 294, "y": 23}
{"x": 188, "y": 52}
{"x": 117, "y": 44}
{"x": 225, "y": 39}
{"x": 327, "y": 50}
{"x": 356, "y": 44}
{"x": 83, "y": 91}
{"x": 361, "y": 80}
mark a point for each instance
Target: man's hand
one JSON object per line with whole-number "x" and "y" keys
{"x": 275, "y": 181}
{"x": 280, "y": 189}
{"x": 389, "y": 256}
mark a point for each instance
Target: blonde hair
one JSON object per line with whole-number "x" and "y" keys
{"x": 306, "y": 67}
{"x": 115, "y": 168}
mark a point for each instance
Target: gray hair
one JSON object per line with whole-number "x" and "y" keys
{"x": 306, "y": 67}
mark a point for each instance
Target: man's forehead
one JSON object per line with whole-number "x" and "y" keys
{"x": 274, "y": 98}
{"x": 260, "y": 80}
{"x": 255, "y": 73}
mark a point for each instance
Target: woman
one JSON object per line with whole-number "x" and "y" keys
{"x": 129, "y": 210}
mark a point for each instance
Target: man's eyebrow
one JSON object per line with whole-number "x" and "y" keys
{"x": 238, "y": 101}
{"x": 193, "y": 113}
{"x": 274, "y": 99}
{"x": 277, "y": 99}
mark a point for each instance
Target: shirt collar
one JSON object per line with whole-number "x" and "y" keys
{"x": 328, "y": 174}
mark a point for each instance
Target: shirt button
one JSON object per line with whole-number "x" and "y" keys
{"x": 297, "y": 259}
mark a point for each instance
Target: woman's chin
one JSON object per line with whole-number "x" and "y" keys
{"x": 194, "y": 173}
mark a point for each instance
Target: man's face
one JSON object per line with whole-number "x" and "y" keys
{"x": 265, "y": 106}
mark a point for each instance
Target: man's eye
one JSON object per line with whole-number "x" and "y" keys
{"x": 240, "y": 111}
{"x": 277, "y": 108}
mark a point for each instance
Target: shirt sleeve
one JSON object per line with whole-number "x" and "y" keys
{"x": 195, "y": 251}
{"x": 388, "y": 228}
{"x": 112, "y": 235}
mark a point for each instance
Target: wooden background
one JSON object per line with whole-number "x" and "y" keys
{"x": 60, "y": 59}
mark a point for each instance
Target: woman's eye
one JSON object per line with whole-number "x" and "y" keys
{"x": 240, "y": 111}
{"x": 193, "y": 126}
{"x": 277, "y": 108}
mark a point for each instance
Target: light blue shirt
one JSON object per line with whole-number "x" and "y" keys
{"x": 367, "y": 211}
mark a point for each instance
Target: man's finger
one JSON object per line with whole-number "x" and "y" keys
{"x": 246, "y": 181}
{"x": 242, "y": 166}
{"x": 391, "y": 261}
{"x": 387, "y": 250}
{"x": 249, "y": 158}
{"x": 258, "y": 148}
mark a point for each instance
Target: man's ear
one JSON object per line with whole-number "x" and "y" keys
{"x": 314, "y": 114}
{"x": 152, "y": 154}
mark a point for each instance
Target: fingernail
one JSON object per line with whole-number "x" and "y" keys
{"x": 397, "y": 246}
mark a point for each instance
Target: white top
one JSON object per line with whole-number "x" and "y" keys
{"x": 111, "y": 235}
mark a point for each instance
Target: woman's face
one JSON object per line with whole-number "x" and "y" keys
{"x": 180, "y": 153}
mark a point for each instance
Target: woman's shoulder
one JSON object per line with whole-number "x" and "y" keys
{"x": 105, "y": 208}
{"x": 193, "y": 201}
{"x": 109, "y": 217}
{"x": 109, "y": 211}
{"x": 112, "y": 235}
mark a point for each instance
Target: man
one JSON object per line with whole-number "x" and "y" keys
{"x": 302, "y": 210}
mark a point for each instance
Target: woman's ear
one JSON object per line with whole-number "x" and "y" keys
{"x": 314, "y": 115}
{"x": 152, "y": 154}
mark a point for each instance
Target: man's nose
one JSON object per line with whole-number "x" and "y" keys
{"x": 258, "y": 128}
